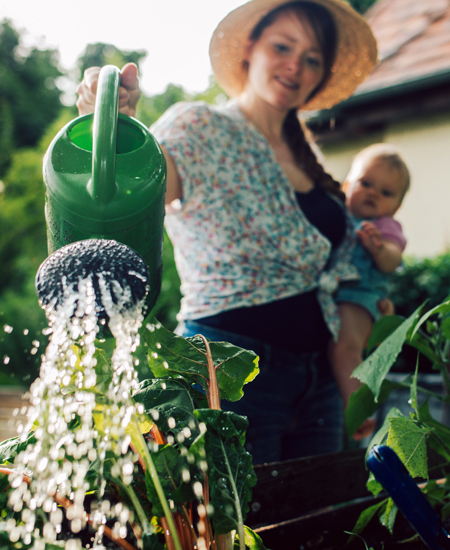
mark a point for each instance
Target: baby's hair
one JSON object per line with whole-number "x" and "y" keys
{"x": 387, "y": 153}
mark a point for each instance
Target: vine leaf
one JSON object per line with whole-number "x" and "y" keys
{"x": 174, "y": 356}
{"x": 367, "y": 515}
{"x": 374, "y": 369}
{"x": 362, "y": 405}
{"x": 387, "y": 518}
{"x": 408, "y": 440}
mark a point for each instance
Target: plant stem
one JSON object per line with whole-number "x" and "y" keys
{"x": 66, "y": 504}
{"x": 214, "y": 395}
{"x": 137, "y": 505}
{"x": 159, "y": 490}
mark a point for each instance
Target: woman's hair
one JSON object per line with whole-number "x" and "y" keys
{"x": 386, "y": 153}
{"x": 297, "y": 135}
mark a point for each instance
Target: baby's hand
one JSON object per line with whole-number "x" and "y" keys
{"x": 370, "y": 238}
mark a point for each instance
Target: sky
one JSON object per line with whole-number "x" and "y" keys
{"x": 175, "y": 33}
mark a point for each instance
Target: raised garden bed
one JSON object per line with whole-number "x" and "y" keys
{"x": 309, "y": 503}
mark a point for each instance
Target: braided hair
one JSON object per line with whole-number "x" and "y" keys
{"x": 298, "y": 137}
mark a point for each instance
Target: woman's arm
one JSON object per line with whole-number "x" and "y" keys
{"x": 129, "y": 94}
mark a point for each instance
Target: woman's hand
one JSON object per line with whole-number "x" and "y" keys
{"x": 129, "y": 92}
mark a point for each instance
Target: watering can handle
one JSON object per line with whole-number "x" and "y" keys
{"x": 103, "y": 186}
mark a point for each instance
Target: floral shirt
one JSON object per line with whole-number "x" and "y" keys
{"x": 239, "y": 236}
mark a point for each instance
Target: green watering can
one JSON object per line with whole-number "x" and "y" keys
{"x": 105, "y": 178}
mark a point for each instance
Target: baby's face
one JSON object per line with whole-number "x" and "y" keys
{"x": 375, "y": 189}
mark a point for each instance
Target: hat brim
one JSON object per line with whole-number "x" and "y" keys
{"x": 356, "y": 53}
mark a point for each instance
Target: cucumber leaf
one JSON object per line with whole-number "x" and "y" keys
{"x": 387, "y": 517}
{"x": 362, "y": 404}
{"x": 374, "y": 369}
{"x": 408, "y": 440}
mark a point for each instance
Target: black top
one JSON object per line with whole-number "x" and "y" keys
{"x": 295, "y": 323}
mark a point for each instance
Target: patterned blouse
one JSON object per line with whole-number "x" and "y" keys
{"x": 239, "y": 235}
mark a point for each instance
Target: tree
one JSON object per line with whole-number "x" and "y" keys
{"x": 100, "y": 54}
{"x": 29, "y": 95}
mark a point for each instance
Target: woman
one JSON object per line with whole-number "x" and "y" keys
{"x": 260, "y": 234}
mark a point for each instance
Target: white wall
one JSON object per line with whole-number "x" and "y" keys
{"x": 425, "y": 146}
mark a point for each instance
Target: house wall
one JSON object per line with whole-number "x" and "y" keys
{"x": 425, "y": 145}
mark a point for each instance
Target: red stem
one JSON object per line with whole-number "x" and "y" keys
{"x": 66, "y": 503}
{"x": 214, "y": 394}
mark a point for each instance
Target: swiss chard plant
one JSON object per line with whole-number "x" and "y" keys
{"x": 413, "y": 436}
{"x": 191, "y": 483}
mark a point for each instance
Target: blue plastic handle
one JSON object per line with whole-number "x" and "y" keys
{"x": 391, "y": 473}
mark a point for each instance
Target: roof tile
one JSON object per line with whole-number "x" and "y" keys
{"x": 413, "y": 39}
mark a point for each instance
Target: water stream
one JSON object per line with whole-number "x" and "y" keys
{"x": 73, "y": 427}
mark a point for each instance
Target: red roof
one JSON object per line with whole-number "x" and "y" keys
{"x": 413, "y": 39}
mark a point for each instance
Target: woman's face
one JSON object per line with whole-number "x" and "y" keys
{"x": 285, "y": 64}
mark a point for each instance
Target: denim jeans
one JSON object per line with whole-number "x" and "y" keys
{"x": 293, "y": 405}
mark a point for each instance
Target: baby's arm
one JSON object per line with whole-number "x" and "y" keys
{"x": 387, "y": 255}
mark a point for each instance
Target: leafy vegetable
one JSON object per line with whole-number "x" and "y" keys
{"x": 172, "y": 355}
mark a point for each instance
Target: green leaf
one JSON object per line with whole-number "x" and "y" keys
{"x": 445, "y": 328}
{"x": 413, "y": 389}
{"x": 150, "y": 541}
{"x": 387, "y": 518}
{"x": 173, "y": 355}
{"x": 440, "y": 433}
{"x": 230, "y": 471}
{"x": 382, "y": 329}
{"x": 171, "y": 400}
{"x": 367, "y": 515}
{"x": 441, "y": 308}
{"x": 171, "y": 468}
{"x": 361, "y": 405}
{"x": 252, "y": 540}
{"x": 10, "y": 448}
{"x": 382, "y": 433}
{"x": 375, "y": 368}
{"x": 408, "y": 440}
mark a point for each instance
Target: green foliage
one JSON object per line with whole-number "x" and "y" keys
{"x": 100, "y": 54}
{"x": 168, "y": 303}
{"x": 173, "y": 355}
{"x": 150, "y": 108}
{"x": 23, "y": 247}
{"x": 374, "y": 369}
{"x": 420, "y": 280}
{"x": 29, "y": 95}
{"x": 410, "y": 437}
{"x": 230, "y": 473}
{"x": 200, "y": 442}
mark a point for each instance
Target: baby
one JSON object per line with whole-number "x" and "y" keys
{"x": 375, "y": 187}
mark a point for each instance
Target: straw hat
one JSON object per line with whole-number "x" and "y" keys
{"x": 356, "y": 52}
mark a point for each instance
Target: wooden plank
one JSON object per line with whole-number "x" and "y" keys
{"x": 12, "y": 410}
{"x": 326, "y": 530}
{"x": 287, "y": 490}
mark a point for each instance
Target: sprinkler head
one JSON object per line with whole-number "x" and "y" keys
{"x": 114, "y": 269}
